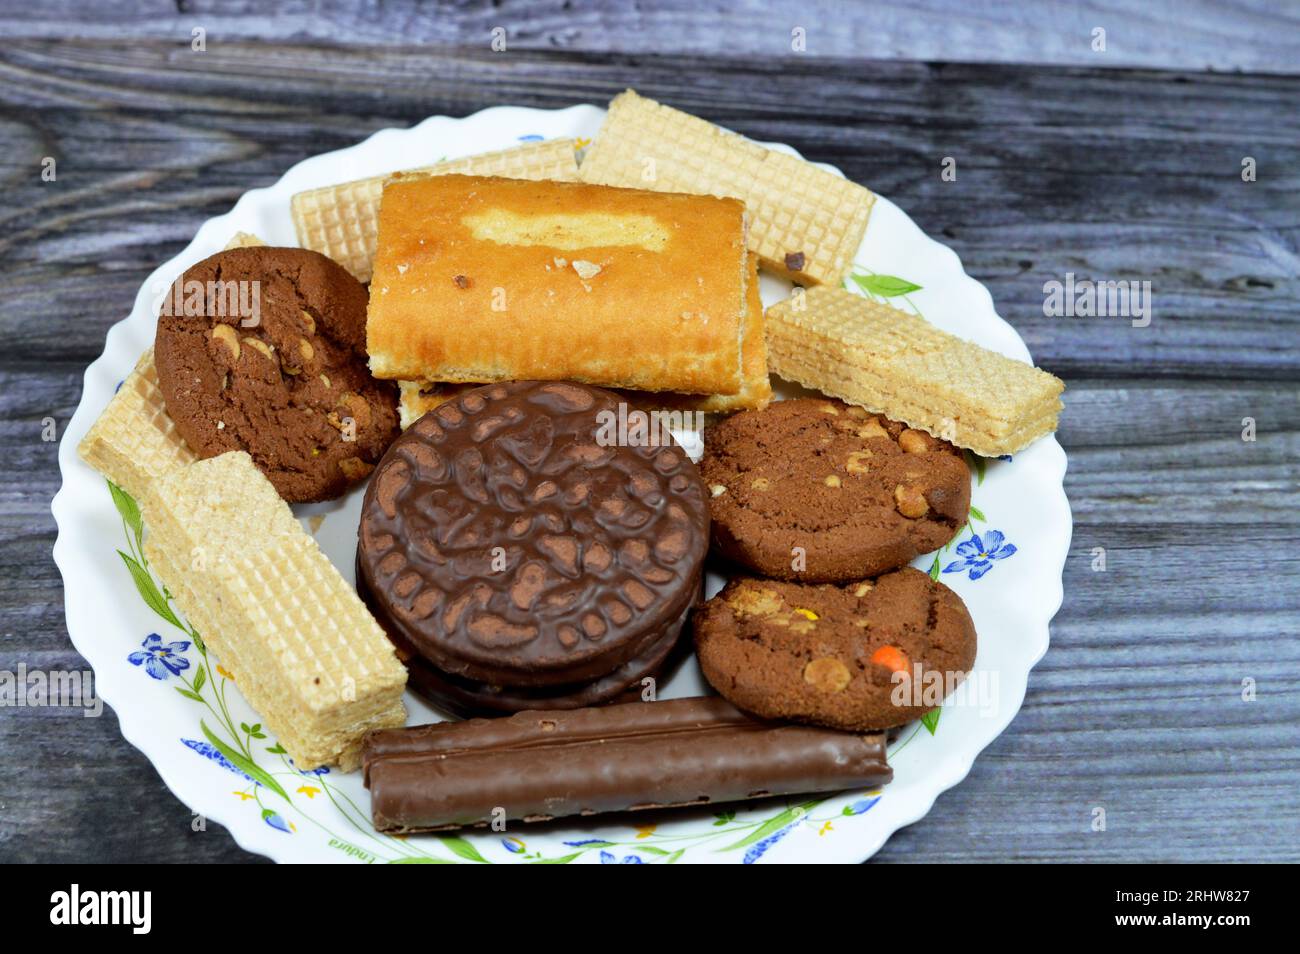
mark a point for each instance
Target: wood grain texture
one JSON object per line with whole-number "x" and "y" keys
{"x": 1106, "y": 173}
{"x": 1247, "y": 35}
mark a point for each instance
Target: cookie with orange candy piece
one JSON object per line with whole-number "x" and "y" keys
{"x": 864, "y": 655}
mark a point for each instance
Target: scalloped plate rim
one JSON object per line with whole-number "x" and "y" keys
{"x": 191, "y": 788}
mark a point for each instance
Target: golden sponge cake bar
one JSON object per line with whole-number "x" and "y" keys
{"x": 341, "y": 221}
{"x": 805, "y": 223}
{"x": 486, "y": 279}
{"x": 755, "y": 383}
{"x": 900, "y": 365}
{"x": 419, "y": 398}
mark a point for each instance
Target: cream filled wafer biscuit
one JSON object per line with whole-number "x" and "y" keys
{"x": 900, "y": 365}
{"x": 134, "y": 442}
{"x": 341, "y": 221}
{"x": 483, "y": 280}
{"x": 805, "y": 223}
{"x": 304, "y": 650}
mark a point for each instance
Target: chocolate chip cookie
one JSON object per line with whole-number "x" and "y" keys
{"x": 864, "y": 655}
{"x": 821, "y": 491}
{"x": 264, "y": 350}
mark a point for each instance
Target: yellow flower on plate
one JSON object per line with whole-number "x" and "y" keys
{"x": 311, "y": 791}
{"x": 826, "y": 826}
{"x": 645, "y": 831}
{"x": 243, "y": 796}
{"x": 224, "y": 672}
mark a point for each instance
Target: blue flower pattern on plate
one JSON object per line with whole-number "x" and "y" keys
{"x": 276, "y": 821}
{"x": 608, "y": 859}
{"x": 159, "y": 658}
{"x": 861, "y": 805}
{"x": 978, "y": 553}
{"x": 210, "y": 751}
{"x": 761, "y": 847}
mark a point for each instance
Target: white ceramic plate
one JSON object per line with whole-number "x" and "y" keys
{"x": 192, "y": 723}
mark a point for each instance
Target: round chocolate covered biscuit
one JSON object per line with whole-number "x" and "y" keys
{"x": 859, "y": 656}
{"x": 820, "y": 491}
{"x": 264, "y": 350}
{"x": 466, "y": 697}
{"x": 512, "y": 544}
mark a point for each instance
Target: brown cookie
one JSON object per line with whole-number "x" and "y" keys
{"x": 820, "y": 491}
{"x": 828, "y": 654}
{"x": 264, "y": 350}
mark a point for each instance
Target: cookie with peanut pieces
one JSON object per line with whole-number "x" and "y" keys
{"x": 868, "y": 654}
{"x": 820, "y": 491}
{"x": 264, "y": 350}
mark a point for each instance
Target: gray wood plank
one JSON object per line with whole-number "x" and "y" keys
{"x": 1246, "y": 35}
{"x": 1043, "y": 190}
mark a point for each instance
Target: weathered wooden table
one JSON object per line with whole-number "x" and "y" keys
{"x": 1097, "y": 168}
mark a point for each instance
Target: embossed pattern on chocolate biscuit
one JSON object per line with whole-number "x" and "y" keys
{"x": 821, "y": 491}
{"x": 508, "y": 546}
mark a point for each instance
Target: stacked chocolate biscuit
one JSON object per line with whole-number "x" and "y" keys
{"x": 519, "y": 561}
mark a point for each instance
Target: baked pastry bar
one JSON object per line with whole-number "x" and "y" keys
{"x": 805, "y": 223}
{"x": 483, "y": 279}
{"x": 305, "y": 652}
{"x": 341, "y": 221}
{"x": 901, "y": 366}
{"x": 755, "y": 384}
{"x": 419, "y": 397}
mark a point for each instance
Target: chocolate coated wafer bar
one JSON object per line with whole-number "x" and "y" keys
{"x": 539, "y": 765}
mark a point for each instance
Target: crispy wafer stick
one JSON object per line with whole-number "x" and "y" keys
{"x": 134, "y": 442}
{"x": 901, "y": 366}
{"x": 305, "y": 652}
{"x": 805, "y": 223}
{"x": 342, "y": 221}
